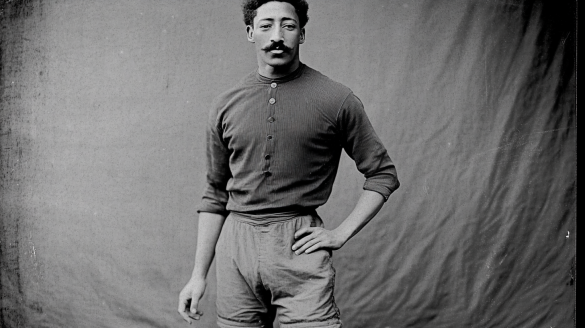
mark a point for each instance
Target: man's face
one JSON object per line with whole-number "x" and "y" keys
{"x": 276, "y": 34}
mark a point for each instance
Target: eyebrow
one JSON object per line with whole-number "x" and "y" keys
{"x": 272, "y": 19}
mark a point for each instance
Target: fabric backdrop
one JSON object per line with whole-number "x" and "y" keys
{"x": 103, "y": 108}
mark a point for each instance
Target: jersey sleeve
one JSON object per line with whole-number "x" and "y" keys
{"x": 215, "y": 196}
{"x": 363, "y": 145}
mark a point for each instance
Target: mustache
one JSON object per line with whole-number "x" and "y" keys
{"x": 277, "y": 46}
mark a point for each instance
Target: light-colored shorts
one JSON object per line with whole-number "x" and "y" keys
{"x": 260, "y": 277}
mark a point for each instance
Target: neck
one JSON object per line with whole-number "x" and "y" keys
{"x": 274, "y": 72}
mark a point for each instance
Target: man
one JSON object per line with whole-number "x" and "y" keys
{"x": 273, "y": 148}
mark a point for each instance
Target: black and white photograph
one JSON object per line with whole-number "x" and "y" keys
{"x": 288, "y": 163}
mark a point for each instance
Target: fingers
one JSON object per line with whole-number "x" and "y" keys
{"x": 303, "y": 241}
{"x": 191, "y": 313}
{"x": 315, "y": 238}
{"x": 188, "y": 306}
{"x": 194, "y": 313}
{"x": 308, "y": 234}
{"x": 309, "y": 243}
{"x": 315, "y": 247}
{"x": 309, "y": 247}
{"x": 183, "y": 301}
{"x": 303, "y": 231}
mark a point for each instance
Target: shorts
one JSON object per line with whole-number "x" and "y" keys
{"x": 260, "y": 277}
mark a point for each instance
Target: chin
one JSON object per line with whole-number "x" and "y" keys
{"x": 279, "y": 62}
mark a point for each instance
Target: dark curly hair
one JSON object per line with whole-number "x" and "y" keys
{"x": 249, "y": 8}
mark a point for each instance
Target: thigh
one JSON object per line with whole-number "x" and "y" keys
{"x": 302, "y": 286}
{"x": 241, "y": 298}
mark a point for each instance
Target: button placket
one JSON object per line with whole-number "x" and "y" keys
{"x": 271, "y": 131}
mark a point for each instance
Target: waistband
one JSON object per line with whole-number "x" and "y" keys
{"x": 268, "y": 218}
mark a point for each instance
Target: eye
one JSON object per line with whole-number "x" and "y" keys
{"x": 265, "y": 26}
{"x": 290, "y": 27}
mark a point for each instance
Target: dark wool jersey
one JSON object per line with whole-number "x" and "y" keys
{"x": 273, "y": 145}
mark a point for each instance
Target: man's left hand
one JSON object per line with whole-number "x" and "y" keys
{"x": 315, "y": 238}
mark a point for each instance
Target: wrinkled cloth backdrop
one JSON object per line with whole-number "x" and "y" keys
{"x": 103, "y": 108}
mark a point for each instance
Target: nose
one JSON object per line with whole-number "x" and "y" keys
{"x": 277, "y": 35}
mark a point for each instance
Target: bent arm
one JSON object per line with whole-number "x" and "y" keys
{"x": 367, "y": 207}
{"x": 363, "y": 145}
{"x": 315, "y": 238}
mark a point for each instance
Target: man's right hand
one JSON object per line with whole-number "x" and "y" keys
{"x": 189, "y": 299}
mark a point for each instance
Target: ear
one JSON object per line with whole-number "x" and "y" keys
{"x": 302, "y": 38}
{"x": 250, "y": 33}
